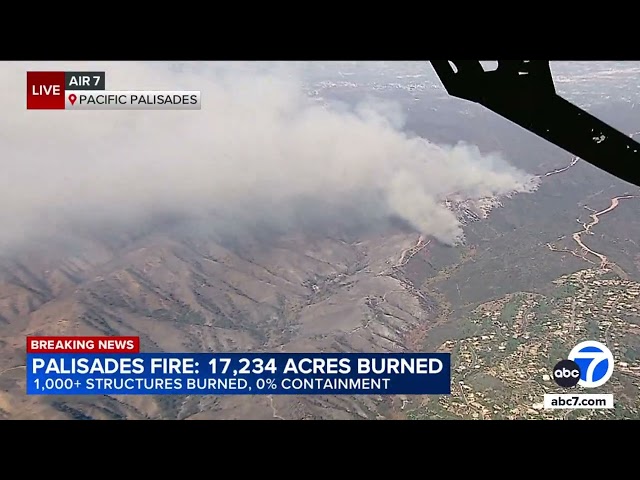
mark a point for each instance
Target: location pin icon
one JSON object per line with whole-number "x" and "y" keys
{"x": 72, "y": 98}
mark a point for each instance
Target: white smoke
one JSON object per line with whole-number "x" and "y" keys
{"x": 260, "y": 150}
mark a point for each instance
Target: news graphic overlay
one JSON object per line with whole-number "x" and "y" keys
{"x": 87, "y": 91}
{"x": 45, "y": 90}
{"x": 589, "y": 365}
{"x": 595, "y": 361}
{"x": 83, "y": 369}
{"x": 49, "y": 345}
{"x": 133, "y": 100}
{"x": 566, "y": 373}
{"x": 74, "y": 81}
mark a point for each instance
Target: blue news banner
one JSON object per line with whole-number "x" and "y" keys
{"x": 239, "y": 374}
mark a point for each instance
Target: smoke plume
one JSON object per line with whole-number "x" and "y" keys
{"x": 259, "y": 153}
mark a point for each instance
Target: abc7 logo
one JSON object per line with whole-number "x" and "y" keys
{"x": 590, "y": 365}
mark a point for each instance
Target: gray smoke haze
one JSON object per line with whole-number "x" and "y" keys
{"x": 259, "y": 153}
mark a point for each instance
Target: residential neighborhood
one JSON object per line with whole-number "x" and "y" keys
{"x": 505, "y": 370}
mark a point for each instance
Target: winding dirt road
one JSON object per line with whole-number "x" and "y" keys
{"x": 595, "y": 219}
{"x": 410, "y": 252}
{"x": 564, "y": 169}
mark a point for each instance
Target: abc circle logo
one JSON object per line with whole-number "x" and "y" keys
{"x": 566, "y": 373}
{"x": 590, "y": 365}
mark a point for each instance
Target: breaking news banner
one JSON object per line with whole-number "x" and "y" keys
{"x": 86, "y": 91}
{"x": 78, "y": 344}
{"x": 55, "y": 368}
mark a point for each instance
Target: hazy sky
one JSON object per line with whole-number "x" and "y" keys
{"x": 259, "y": 150}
